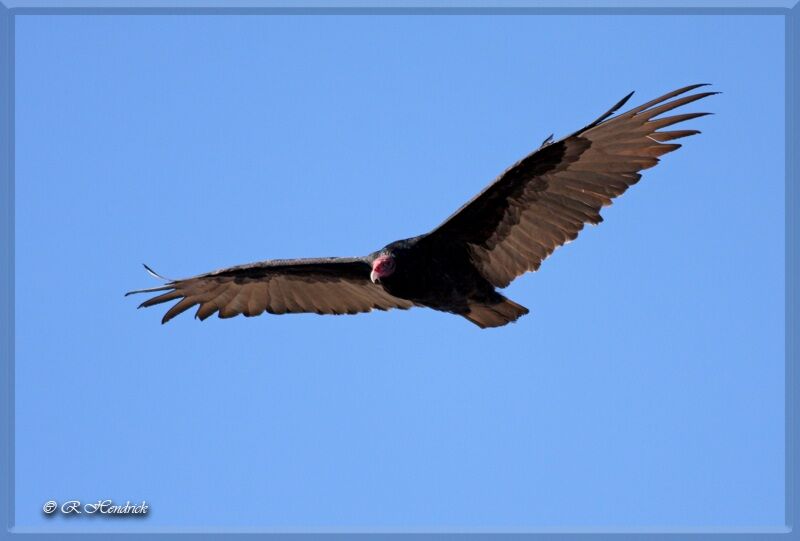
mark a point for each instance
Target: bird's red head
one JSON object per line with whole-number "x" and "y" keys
{"x": 382, "y": 267}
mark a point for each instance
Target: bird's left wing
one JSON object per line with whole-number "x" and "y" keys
{"x": 544, "y": 200}
{"x": 335, "y": 285}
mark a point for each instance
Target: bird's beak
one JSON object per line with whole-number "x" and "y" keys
{"x": 374, "y": 277}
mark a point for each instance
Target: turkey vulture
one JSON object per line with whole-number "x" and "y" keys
{"x": 538, "y": 204}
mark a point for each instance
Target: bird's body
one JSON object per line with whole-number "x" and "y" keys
{"x": 509, "y": 228}
{"x": 438, "y": 275}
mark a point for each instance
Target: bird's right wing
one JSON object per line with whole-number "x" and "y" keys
{"x": 324, "y": 286}
{"x": 544, "y": 200}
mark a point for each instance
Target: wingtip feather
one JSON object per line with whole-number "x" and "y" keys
{"x": 154, "y": 273}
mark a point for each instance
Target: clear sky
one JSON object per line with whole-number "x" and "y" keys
{"x": 644, "y": 390}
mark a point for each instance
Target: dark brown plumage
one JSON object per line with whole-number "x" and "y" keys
{"x": 537, "y": 205}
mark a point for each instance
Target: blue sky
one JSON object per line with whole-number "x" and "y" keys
{"x": 644, "y": 390}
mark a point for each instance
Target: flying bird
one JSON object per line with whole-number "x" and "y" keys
{"x": 538, "y": 204}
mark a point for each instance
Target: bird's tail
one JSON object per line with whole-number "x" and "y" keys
{"x": 496, "y": 314}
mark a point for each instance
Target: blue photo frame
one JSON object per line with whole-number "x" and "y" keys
{"x": 789, "y": 9}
